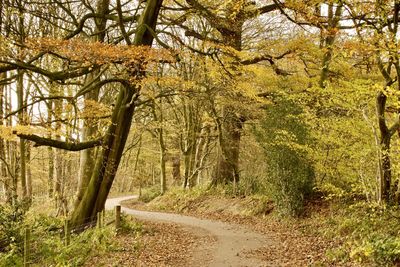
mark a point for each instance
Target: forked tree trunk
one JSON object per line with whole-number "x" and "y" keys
{"x": 109, "y": 156}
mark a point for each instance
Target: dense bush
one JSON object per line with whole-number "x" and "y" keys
{"x": 285, "y": 139}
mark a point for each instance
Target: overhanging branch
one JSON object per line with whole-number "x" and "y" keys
{"x": 70, "y": 146}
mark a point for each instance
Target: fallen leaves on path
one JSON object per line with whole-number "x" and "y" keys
{"x": 294, "y": 244}
{"x": 159, "y": 245}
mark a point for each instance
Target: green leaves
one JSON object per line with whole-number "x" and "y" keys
{"x": 285, "y": 139}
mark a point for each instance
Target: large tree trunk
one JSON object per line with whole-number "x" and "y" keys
{"x": 227, "y": 168}
{"x": 108, "y": 159}
{"x": 110, "y": 155}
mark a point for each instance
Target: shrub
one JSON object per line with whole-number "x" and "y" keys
{"x": 285, "y": 139}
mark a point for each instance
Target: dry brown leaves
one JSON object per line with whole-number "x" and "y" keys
{"x": 84, "y": 51}
{"x": 160, "y": 245}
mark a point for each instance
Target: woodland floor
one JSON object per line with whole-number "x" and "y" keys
{"x": 214, "y": 239}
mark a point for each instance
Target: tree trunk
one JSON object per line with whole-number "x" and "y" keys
{"x": 50, "y": 151}
{"x": 110, "y": 155}
{"x": 87, "y": 157}
{"x": 135, "y": 169}
{"x": 385, "y": 178}
{"x": 58, "y": 159}
{"x": 6, "y": 178}
{"x": 22, "y": 142}
{"x": 226, "y": 169}
{"x": 201, "y": 153}
{"x": 227, "y": 166}
{"x": 163, "y": 149}
{"x": 328, "y": 41}
{"x": 29, "y": 188}
{"x": 108, "y": 160}
{"x": 176, "y": 169}
{"x": 10, "y": 150}
{"x": 163, "y": 155}
{"x": 50, "y": 176}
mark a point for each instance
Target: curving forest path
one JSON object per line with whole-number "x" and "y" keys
{"x": 233, "y": 243}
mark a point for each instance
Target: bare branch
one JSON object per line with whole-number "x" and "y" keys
{"x": 70, "y": 146}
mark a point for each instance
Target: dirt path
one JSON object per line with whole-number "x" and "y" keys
{"x": 233, "y": 242}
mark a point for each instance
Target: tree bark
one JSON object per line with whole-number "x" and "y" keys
{"x": 227, "y": 169}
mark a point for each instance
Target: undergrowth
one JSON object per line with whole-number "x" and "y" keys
{"x": 366, "y": 234}
{"x": 48, "y": 246}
